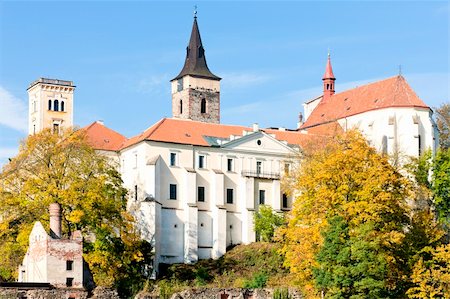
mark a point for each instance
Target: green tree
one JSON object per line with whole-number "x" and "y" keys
{"x": 440, "y": 184}
{"x": 266, "y": 222}
{"x": 351, "y": 265}
{"x": 65, "y": 169}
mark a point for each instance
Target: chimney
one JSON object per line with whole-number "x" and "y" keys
{"x": 55, "y": 221}
{"x": 255, "y": 127}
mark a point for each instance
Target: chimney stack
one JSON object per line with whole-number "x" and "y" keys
{"x": 55, "y": 220}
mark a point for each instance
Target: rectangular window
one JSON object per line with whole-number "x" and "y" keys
{"x": 135, "y": 192}
{"x": 69, "y": 265}
{"x": 69, "y": 282}
{"x": 201, "y": 161}
{"x": 229, "y": 164}
{"x": 201, "y": 193}
{"x": 173, "y": 191}
{"x": 258, "y": 167}
{"x": 229, "y": 195}
{"x": 285, "y": 201}
{"x": 173, "y": 159}
{"x": 262, "y": 197}
{"x": 56, "y": 128}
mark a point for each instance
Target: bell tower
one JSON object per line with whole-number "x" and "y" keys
{"x": 328, "y": 81}
{"x": 196, "y": 91}
{"x": 50, "y": 105}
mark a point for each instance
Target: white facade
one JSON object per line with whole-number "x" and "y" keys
{"x": 190, "y": 223}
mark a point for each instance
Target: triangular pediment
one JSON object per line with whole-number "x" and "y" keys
{"x": 259, "y": 142}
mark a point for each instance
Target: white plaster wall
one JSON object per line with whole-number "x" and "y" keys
{"x": 172, "y": 236}
{"x": 401, "y": 126}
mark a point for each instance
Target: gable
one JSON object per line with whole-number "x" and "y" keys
{"x": 259, "y": 142}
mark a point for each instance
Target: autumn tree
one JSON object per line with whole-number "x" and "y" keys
{"x": 266, "y": 221}
{"x": 347, "y": 179}
{"x": 65, "y": 169}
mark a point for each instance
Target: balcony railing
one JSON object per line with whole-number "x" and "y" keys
{"x": 261, "y": 174}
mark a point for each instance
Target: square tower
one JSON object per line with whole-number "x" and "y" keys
{"x": 50, "y": 105}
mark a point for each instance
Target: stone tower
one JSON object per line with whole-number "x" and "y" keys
{"x": 196, "y": 91}
{"x": 50, "y": 105}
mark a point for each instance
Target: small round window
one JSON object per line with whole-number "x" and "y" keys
{"x": 258, "y": 142}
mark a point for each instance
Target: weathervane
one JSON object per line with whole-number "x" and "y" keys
{"x": 195, "y": 11}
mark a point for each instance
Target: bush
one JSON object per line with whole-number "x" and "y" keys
{"x": 258, "y": 281}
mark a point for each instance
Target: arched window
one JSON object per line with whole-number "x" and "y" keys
{"x": 328, "y": 86}
{"x": 181, "y": 106}
{"x": 62, "y": 105}
{"x": 55, "y": 105}
{"x": 49, "y": 104}
{"x": 203, "y": 106}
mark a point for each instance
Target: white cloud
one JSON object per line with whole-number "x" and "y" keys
{"x": 239, "y": 80}
{"x": 13, "y": 111}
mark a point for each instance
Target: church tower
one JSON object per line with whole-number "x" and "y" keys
{"x": 196, "y": 91}
{"x": 50, "y": 105}
{"x": 328, "y": 81}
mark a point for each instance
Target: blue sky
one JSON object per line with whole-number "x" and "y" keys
{"x": 271, "y": 55}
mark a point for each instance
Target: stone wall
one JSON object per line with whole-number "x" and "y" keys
{"x": 205, "y": 293}
{"x": 98, "y": 293}
{"x": 231, "y": 294}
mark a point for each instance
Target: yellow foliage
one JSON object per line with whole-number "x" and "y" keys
{"x": 432, "y": 277}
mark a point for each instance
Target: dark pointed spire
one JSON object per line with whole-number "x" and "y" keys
{"x": 195, "y": 63}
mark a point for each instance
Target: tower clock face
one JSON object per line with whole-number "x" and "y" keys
{"x": 180, "y": 84}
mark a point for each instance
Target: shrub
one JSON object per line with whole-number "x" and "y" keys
{"x": 258, "y": 281}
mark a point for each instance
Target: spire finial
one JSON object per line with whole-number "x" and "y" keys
{"x": 328, "y": 52}
{"x": 399, "y": 69}
{"x": 195, "y": 11}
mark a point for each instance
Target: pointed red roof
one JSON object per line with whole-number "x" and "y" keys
{"x": 391, "y": 92}
{"x": 103, "y": 138}
{"x": 328, "y": 70}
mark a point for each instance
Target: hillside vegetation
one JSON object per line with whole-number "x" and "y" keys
{"x": 245, "y": 266}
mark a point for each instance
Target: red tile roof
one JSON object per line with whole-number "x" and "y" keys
{"x": 193, "y": 132}
{"x": 103, "y": 138}
{"x": 391, "y": 92}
